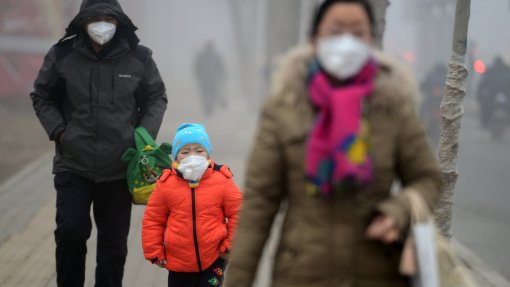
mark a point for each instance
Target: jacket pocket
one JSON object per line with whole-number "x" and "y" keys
{"x": 65, "y": 137}
{"x": 285, "y": 259}
{"x": 294, "y": 147}
{"x": 290, "y": 248}
{"x": 295, "y": 265}
{"x": 69, "y": 147}
{"x": 216, "y": 236}
{"x": 76, "y": 147}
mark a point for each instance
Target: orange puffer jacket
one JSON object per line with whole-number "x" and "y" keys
{"x": 191, "y": 227}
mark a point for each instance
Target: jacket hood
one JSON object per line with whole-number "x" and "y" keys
{"x": 92, "y": 8}
{"x": 395, "y": 85}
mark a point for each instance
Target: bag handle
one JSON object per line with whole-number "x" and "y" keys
{"x": 419, "y": 213}
{"x": 419, "y": 210}
{"x": 143, "y": 138}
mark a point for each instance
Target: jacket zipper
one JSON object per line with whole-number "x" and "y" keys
{"x": 195, "y": 236}
{"x": 97, "y": 110}
{"x": 91, "y": 78}
{"x": 113, "y": 88}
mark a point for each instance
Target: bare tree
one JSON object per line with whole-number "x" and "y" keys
{"x": 452, "y": 111}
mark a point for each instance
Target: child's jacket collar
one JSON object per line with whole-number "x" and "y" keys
{"x": 213, "y": 167}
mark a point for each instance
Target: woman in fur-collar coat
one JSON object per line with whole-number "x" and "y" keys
{"x": 338, "y": 130}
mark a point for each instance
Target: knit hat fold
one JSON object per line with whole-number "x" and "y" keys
{"x": 189, "y": 133}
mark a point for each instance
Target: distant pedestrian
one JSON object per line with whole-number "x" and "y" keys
{"x": 211, "y": 76}
{"x": 192, "y": 214}
{"x": 95, "y": 87}
{"x": 339, "y": 129}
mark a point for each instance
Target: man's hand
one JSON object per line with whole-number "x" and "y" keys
{"x": 383, "y": 228}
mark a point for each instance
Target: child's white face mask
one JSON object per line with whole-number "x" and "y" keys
{"x": 193, "y": 167}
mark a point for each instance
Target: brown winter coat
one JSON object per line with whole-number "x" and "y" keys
{"x": 323, "y": 242}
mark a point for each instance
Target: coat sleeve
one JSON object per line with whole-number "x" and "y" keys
{"x": 416, "y": 167}
{"x": 153, "y": 225}
{"x": 153, "y": 99}
{"x": 45, "y": 97}
{"x": 262, "y": 198}
{"x": 231, "y": 206}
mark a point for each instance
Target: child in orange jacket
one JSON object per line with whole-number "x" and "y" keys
{"x": 191, "y": 216}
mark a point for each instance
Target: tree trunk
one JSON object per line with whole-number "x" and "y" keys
{"x": 379, "y": 7}
{"x": 452, "y": 111}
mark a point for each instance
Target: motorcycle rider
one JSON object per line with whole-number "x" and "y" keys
{"x": 495, "y": 81}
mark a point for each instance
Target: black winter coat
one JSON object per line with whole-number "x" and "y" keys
{"x": 96, "y": 101}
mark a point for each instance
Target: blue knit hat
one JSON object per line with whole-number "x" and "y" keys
{"x": 190, "y": 134}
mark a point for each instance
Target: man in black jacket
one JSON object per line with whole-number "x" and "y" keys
{"x": 95, "y": 87}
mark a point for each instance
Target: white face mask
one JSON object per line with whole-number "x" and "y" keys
{"x": 101, "y": 32}
{"x": 193, "y": 167}
{"x": 342, "y": 56}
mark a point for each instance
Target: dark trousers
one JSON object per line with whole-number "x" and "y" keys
{"x": 112, "y": 213}
{"x": 211, "y": 277}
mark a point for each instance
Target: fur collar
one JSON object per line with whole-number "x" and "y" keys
{"x": 395, "y": 91}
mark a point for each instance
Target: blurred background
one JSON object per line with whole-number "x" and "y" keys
{"x": 217, "y": 57}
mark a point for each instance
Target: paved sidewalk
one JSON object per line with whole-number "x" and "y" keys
{"x": 484, "y": 275}
{"x": 27, "y": 245}
{"x": 27, "y": 212}
{"x": 27, "y": 221}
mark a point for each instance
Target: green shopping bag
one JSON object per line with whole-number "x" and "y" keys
{"x": 145, "y": 165}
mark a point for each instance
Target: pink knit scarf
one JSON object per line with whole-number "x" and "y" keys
{"x": 338, "y": 152}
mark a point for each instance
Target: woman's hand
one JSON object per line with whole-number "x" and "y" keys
{"x": 161, "y": 263}
{"x": 383, "y": 228}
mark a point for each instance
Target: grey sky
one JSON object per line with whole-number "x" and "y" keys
{"x": 489, "y": 28}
